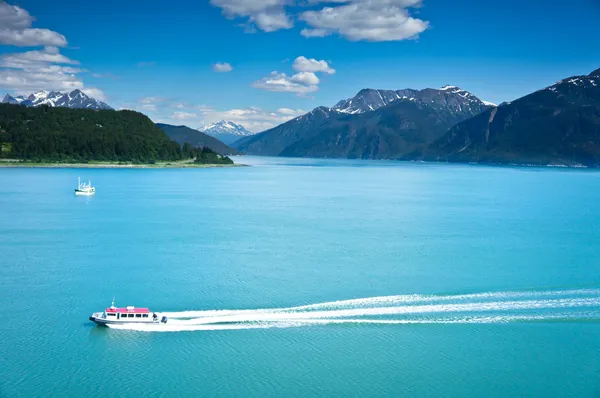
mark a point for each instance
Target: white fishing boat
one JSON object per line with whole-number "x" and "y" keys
{"x": 123, "y": 316}
{"x": 84, "y": 189}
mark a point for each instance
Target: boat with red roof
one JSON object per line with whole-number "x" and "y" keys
{"x": 122, "y": 316}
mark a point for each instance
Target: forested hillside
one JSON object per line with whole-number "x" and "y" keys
{"x": 73, "y": 135}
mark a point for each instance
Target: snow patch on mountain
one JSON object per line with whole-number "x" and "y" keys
{"x": 368, "y": 100}
{"x": 74, "y": 99}
{"x": 226, "y": 131}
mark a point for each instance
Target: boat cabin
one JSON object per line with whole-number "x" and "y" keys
{"x": 129, "y": 313}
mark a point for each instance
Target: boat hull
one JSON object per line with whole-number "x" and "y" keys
{"x": 83, "y": 193}
{"x": 106, "y": 322}
{"x": 98, "y": 319}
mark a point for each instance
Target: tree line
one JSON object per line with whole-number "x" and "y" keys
{"x": 47, "y": 134}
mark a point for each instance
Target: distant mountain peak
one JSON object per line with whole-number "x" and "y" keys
{"x": 226, "y": 131}
{"x": 73, "y": 99}
{"x": 368, "y": 99}
{"x": 595, "y": 73}
{"x": 9, "y": 99}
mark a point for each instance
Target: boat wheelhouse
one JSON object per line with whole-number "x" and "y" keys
{"x": 84, "y": 189}
{"x": 122, "y": 316}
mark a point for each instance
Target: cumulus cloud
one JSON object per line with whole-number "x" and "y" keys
{"x": 272, "y": 21}
{"x": 303, "y": 64}
{"x": 24, "y": 82}
{"x": 369, "y": 20}
{"x": 280, "y": 82}
{"x": 15, "y": 29}
{"x": 267, "y": 15}
{"x": 222, "y": 67}
{"x": 306, "y": 78}
{"x": 49, "y": 55}
{"x": 303, "y": 82}
{"x": 44, "y": 69}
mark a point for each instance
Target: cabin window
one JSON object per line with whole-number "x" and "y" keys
{"x": 145, "y": 315}
{"x": 111, "y": 314}
{"x": 138, "y": 315}
{"x": 131, "y": 315}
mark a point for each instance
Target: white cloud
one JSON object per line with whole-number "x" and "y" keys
{"x": 25, "y": 82}
{"x": 94, "y": 92}
{"x": 253, "y": 118}
{"x": 15, "y": 29}
{"x": 222, "y": 67}
{"x": 243, "y": 8}
{"x": 303, "y": 64}
{"x": 272, "y": 21}
{"x": 280, "y": 82}
{"x": 267, "y": 15}
{"x": 46, "y": 69}
{"x": 303, "y": 82}
{"x": 183, "y": 115}
{"x": 370, "y": 20}
{"x": 306, "y": 78}
{"x": 49, "y": 55}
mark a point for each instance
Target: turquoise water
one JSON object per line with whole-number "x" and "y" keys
{"x": 342, "y": 278}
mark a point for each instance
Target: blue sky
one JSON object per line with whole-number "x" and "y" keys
{"x": 160, "y": 58}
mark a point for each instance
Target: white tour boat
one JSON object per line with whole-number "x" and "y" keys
{"x": 122, "y": 316}
{"x": 84, "y": 189}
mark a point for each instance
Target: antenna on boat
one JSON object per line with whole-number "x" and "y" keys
{"x": 112, "y": 305}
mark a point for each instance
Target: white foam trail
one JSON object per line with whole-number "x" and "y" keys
{"x": 389, "y": 300}
{"x": 494, "y": 307}
{"x": 319, "y": 322}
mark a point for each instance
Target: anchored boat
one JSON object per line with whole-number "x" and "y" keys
{"x": 84, "y": 189}
{"x": 122, "y": 316}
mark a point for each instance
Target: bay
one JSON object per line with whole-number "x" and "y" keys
{"x": 412, "y": 280}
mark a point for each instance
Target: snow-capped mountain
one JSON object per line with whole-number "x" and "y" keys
{"x": 556, "y": 125}
{"x": 74, "y": 99}
{"x": 226, "y": 131}
{"x": 372, "y": 124}
{"x": 448, "y": 97}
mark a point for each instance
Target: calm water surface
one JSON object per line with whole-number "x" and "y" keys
{"x": 412, "y": 280}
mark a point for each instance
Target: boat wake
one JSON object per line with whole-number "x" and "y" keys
{"x": 493, "y": 307}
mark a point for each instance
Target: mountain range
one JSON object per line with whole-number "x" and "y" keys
{"x": 374, "y": 124}
{"x": 557, "y": 125}
{"x": 183, "y": 134}
{"x": 226, "y": 131}
{"x": 75, "y": 99}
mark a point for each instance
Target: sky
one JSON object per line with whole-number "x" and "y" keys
{"x": 261, "y": 62}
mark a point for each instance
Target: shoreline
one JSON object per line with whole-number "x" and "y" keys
{"x": 112, "y": 165}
